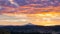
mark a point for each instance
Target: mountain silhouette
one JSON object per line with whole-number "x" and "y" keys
{"x": 31, "y": 28}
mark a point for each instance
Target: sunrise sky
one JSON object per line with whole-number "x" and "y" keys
{"x": 38, "y": 12}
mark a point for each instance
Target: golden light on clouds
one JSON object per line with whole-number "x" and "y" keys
{"x": 44, "y": 19}
{"x": 38, "y": 14}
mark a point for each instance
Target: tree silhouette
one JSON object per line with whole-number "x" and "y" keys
{"x": 4, "y": 31}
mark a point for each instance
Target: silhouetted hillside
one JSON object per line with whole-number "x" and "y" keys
{"x": 31, "y": 28}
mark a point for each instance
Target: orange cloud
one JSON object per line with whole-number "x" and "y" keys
{"x": 34, "y": 15}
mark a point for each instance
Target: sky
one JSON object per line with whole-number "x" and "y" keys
{"x": 38, "y": 12}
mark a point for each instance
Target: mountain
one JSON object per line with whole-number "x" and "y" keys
{"x": 31, "y": 28}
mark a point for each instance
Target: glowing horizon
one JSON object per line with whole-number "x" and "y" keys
{"x": 38, "y": 14}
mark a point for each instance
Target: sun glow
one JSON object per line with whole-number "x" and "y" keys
{"x": 44, "y": 19}
{"x": 31, "y": 13}
{"x": 47, "y": 19}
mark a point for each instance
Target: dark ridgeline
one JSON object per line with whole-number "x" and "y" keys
{"x": 30, "y": 28}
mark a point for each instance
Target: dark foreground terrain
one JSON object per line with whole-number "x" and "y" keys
{"x": 30, "y": 29}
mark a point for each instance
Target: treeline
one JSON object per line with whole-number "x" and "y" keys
{"x": 5, "y": 31}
